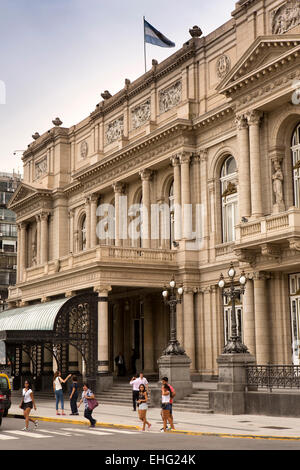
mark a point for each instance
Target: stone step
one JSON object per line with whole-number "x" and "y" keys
{"x": 193, "y": 410}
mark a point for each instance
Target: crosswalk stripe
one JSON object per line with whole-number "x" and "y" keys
{"x": 57, "y": 432}
{"x": 32, "y": 434}
{"x": 89, "y": 431}
{"x": 105, "y": 430}
{"x": 4, "y": 437}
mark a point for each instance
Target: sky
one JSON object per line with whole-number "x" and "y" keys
{"x": 58, "y": 56}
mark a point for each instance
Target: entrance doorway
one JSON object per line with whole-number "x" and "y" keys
{"x": 294, "y": 284}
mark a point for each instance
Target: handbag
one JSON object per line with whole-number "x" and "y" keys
{"x": 92, "y": 403}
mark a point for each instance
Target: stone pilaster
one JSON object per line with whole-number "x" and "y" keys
{"x": 146, "y": 176}
{"x": 185, "y": 159}
{"x": 249, "y": 317}
{"x": 71, "y": 231}
{"x": 119, "y": 190}
{"x": 262, "y": 321}
{"x": 88, "y": 222}
{"x": 93, "y": 202}
{"x": 189, "y": 325}
{"x": 254, "y": 119}
{"x": 177, "y": 197}
{"x": 44, "y": 237}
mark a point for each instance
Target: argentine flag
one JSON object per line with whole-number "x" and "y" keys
{"x": 152, "y": 36}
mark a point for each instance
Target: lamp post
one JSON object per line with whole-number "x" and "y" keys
{"x": 173, "y": 296}
{"x": 234, "y": 344}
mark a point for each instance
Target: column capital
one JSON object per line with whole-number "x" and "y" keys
{"x": 102, "y": 291}
{"x": 241, "y": 121}
{"x": 254, "y": 117}
{"x": 184, "y": 157}
{"x": 118, "y": 187}
{"x": 174, "y": 160}
{"x": 203, "y": 155}
{"x": 146, "y": 174}
{"x": 196, "y": 159}
{"x": 261, "y": 276}
{"x": 44, "y": 215}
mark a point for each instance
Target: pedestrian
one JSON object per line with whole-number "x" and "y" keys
{"x": 87, "y": 395}
{"x": 136, "y": 382}
{"x": 59, "y": 394}
{"x": 27, "y": 404}
{"x": 74, "y": 396}
{"x": 143, "y": 406}
{"x": 120, "y": 363}
{"x": 166, "y": 407}
{"x": 165, "y": 381}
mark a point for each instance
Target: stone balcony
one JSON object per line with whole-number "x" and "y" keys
{"x": 103, "y": 254}
{"x": 268, "y": 236}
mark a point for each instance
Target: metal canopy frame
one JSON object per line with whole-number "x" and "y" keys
{"x": 76, "y": 324}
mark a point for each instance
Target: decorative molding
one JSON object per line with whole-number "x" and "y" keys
{"x": 285, "y": 17}
{"x": 223, "y": 66}
{"x": 41, "y": 168}
{"x": 114, "y": 130}
{"x": 170, "y": 97}
{"x": 84, "y": 149}
{"x": 141, "y": 114}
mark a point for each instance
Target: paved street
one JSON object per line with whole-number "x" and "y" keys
{"x": 63, "y": 436}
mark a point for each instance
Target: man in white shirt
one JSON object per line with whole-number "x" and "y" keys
{"x": 136, "y": 382}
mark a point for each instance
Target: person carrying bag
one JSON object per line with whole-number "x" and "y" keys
{"x": 90, "y": 403}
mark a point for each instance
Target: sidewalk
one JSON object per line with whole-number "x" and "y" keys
{"x": 190, "y": 423}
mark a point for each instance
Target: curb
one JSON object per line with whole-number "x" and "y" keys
{"x": 78, "y": 422}
{"x": 187, "y": 433}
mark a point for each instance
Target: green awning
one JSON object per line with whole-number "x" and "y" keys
{"x": 37, "y": 317}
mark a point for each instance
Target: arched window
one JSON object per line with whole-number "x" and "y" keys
{"x": 229, "y": 199}
{"x": 83, "y": 234}
{"x": 172, "y": 214}
{"x": 296, "y": 165}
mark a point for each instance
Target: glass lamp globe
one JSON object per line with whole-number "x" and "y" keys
{"x": 180, "y": 291}
{"x": 243, "y": 279}
{"x": 172, "y": 284}
{"x": 221, "y": 283}
{"x": 165, "y": 293}
{"x": 231, "y": 272}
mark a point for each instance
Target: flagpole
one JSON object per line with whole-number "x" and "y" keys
{"x": 145, "y": 59}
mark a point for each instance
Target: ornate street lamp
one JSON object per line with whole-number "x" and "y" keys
{"x": 173, "y": 296}
{"x": 234, "y": 344}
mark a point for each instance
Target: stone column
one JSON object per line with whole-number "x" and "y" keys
{"x": 18, "y": 251}
{"x": 189, "y": 325}
{"x": 203, "y": 185}
{"x": 23, "y": 227}
{"x": 38, "y": 239}
{"x": 244, "y": 167}
{"x": 103, "y": 340}
{"x": 118, "y": 189}
{"x": 94, "y": 200}
{"x": 249, "y": 317}
{"x": 146, "y": 176}
{"x": 148, "y": 337}
{"x": 185, "y": 194}
{"x": 71, "y": 231}
{"x": 262, "y": 324}
{"x": 88, "y": 222}
{"x": 44, "y": 237}
{"x": 177, "y": 198}
{"x": 179, "y": 324}
{"x": 254, "y": 119}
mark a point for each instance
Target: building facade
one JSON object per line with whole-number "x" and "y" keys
{"x": 8, "y": 236}
{"x": 215, "y": 128}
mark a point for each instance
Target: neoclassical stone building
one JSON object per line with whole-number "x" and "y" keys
{"x": 216, "y": 126}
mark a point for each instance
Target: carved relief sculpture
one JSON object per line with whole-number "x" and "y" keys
{"x": 277, "y": 179}
{"x": 114, "y": 130}
{"x": 170, "y": 97}
{"x": 223, "y": 66}
{"x": 41, "y": 168}
{"x": 140, "y": 114}
{"x": 84, "y": 149}
{"x": 286, "y": 17}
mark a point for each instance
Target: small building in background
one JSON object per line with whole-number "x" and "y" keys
{"x": 8, "y": 236}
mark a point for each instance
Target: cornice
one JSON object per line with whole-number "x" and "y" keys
{"x": 48, "y": 138}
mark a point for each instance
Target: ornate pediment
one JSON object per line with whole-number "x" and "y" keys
{"x": 26, "y": 192}
{"x": 266, "y": 54}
